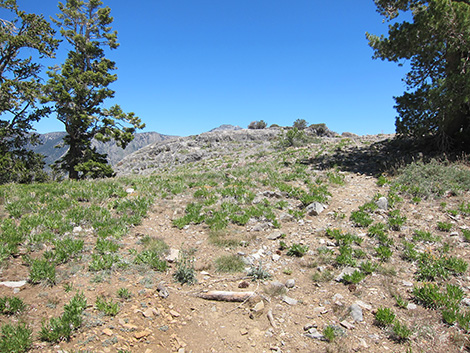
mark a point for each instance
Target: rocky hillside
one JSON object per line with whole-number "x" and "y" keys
{"x": 50, "y": 140}
{"x": 216, "y": 143}
{"x": 232, "y": 242}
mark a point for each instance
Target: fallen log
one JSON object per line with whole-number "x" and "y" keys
{"x": 226, "y": 296}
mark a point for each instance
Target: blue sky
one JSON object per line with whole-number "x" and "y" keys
{"x": 187, "y": 66}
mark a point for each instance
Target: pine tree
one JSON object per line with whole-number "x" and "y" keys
{"x": 79, "y": 87}
{"x": 437, "y": 45}
{"x": 20, "y": 91}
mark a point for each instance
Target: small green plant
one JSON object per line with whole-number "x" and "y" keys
{"x": 395, "y": 220}
{"x": 382, "y": 180}
{"x": 335, "y": 178}
{"x": 368, "y": 267}
{"x": 229, "y": 263}
{"x": 420, "y": 235}
{"x": 346, "y": 256}
{"x": 466, "y": 234}
{"x": 444, "y": 226}
{"x": 384, "y": 253}
{"x": 465, "y": 208}
{"x": 400, "y": 301}
{"x": 15, "y": 338}
{"x": 68, "y": 287}
{"x": 108, "y": 307}
{"x": 355, "y": 277}
{"x": 401, "y": 332}
{"x": 409, "y": 252}
{"x": 329, "y": 333}
{"x": 152, "y": 259}
{"x": 101, "y": 262}
{"x": 322, "y": 276}
{"x": 384, "y": 317}
{"x": 297, "y": 250}
{"x": 61, "y": 328}
{"x": 11, "y": 305}
{"x": 258, "y": 273}
{"x": 124, "y": 293}
{"x": 42, "y": 271}
{"x": 185, "y": 272}
{"x": 361, "y": 218}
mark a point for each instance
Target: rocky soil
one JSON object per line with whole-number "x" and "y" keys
{"x": 287, "y": 312}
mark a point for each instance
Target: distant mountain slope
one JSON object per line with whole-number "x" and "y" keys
{"x": 115, "y": 153}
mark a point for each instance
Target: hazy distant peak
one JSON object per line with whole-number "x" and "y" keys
{"x": 225, "y": 127}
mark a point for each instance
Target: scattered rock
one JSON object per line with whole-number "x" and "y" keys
{"x": 150, "y": 312}
{"x": 347, "y": 325}
{"x": 107, "y": 332}
{"x": 345, "y": 271}
{"x": 288, "y": 300}
{"x": 363, "y": 305}
{"x": 466, "y": 301}
{"x": 356, "y": 313}
{"x": 290, "y": 283}
{"x": 411, "y": 306}
{"x": 142, "y": 334}
{"x": 314, "y": 209}
{"x": 174, "y": 313}
{"x": 382, "y": 203}
{"x": 274, "y": 235}
{"x": 162, "y": 291}
{"x": 313, "y": 333}
{"x": 13, "y": 284}
{"x": 172, "y": 256}
{"x": 258, "y": 308}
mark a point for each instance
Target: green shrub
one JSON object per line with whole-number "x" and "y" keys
{"x": 152, "y": 259}
{"x": 401, "y": 332}
{"x": 384, "y": 253}
{"x": 297, "y": 250}
{"x": 355, "y": 277}
{"x": 15, "y": 338}
{"x": 384, "y": 317}
{"x": 368, "y": 267}
{"x": 11, "y": 305}
{"x": 329, "y": 333}
{"x": 108, "y": 307}
{"x": 420, "y": 235}
{"x": 185, "y": 272}
{"x": 61, "y": 328}
{"x": 124, "y": 293}
{"x": 42, "y": 271}
{"x": 361, "y": 218}
{"x": 395, "y": 220}
{"x": 444, "y": 226}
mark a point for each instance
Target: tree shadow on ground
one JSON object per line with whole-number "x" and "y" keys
{"x": 382, "y": 157}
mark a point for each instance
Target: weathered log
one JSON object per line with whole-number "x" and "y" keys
{"x": 227, "y": 296}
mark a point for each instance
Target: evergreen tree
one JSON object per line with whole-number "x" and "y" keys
{"x": 437, "y": 44}
{"x": 20, "y": 91}
{"x": 79, "y": 87}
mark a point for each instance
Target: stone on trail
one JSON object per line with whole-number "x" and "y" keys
{"x": 314, "y": 209}
{"x": 382, "y": 203}
{"x": 356, "y": 313}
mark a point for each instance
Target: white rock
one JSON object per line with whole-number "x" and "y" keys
{"x": 288, "y": 300}
{"x": 13, "y": 284}
{"x": 290, "y": 283}
{"x": 130, "y": 190}
{"x": 356, "y": 313}
{"x": 172, "y": 256}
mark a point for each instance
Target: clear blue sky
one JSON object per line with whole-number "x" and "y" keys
{"x": 187, "y": 66}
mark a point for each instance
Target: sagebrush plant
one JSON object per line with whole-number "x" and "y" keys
{"x": 258, "y": 273}
{"x": 185, "y": 272}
